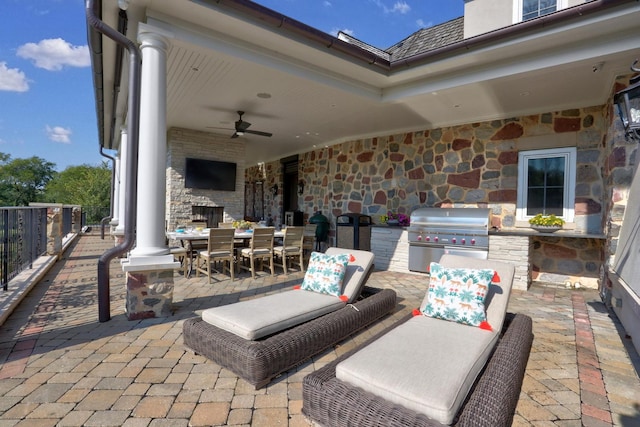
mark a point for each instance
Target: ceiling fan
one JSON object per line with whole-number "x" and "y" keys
{"x": 242, "y": 127}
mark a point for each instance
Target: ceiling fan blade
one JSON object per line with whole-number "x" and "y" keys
{"x": 235, "y": 135}
{"x": 257, "y": 132}
{"x": 215, "y": 127}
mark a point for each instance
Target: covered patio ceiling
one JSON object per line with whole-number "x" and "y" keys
{"x": 227, "y": 56}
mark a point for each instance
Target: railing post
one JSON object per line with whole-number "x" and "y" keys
{"x": 5, "y": 249}
{"x": 54, "y": 230}
{"x": 76, "y": 213}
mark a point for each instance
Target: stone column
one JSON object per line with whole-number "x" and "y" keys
{"x": 54, "y": 230}
{"x": 76, "y": 213}
{"x": 150, "y": 268}
{"x": 149, "y": 294}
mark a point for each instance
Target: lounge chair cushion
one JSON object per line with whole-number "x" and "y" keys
{"x": 499, "y": 291}
{"x": 325, "y": 273}
{"x": 458, "y": 294}
{"x": 419, "y": 366}
{"x": 259, "y": 317}
{"x": 360, "y": 262}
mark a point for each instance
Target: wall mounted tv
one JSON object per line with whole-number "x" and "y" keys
{"x": 210, "y": 175}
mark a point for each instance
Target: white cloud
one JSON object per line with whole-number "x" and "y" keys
{"x": 53, "y": 54}
{"x": 326, "y": 3}
{"x": 59, "y": 134}
{"x": 421, "y": 24}
{"x": 400, "y": 6}
{"x": 12, "y": 79}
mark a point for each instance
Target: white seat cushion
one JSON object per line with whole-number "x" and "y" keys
{"x": 248, "y": 251}
{"x": 420, "y": 366}
{"x": 286, "y": 248}
{"x": 259, "y": 317}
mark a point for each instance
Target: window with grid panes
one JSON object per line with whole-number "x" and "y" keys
{"x": 546, "y": 183}
{"x": 534, "y": 8}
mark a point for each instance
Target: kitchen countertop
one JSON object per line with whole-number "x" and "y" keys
{"x": 525, "y": 231}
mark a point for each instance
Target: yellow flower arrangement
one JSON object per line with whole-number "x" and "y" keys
{"x": 242, "y": 225}
{"x": 547, "y": 220}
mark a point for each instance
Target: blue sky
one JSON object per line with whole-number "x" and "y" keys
{"x": 47, "y": 106}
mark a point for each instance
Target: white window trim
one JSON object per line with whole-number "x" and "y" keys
{"x": 569, "y": 154}
{"x": 517, "y": 9}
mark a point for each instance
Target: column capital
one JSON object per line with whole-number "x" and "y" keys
{"x": 150, "y": 36}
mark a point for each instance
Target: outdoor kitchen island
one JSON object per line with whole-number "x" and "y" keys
{"x": 578, "y": 255}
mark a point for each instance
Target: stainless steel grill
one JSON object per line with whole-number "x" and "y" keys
{"x": 436, "y": 231}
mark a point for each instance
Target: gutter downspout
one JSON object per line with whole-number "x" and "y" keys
{"x": 133, "y": 131}
{"x": 113, "y": 180}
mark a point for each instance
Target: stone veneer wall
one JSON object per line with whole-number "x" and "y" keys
{"x": 270, "y": 174}
{"x": 476, "y": 165}
{"x": 472, "y": 165}
{"x": 565, "y": 259}
{"x": 619, "y": 170}
{"x": 183, "y": 143}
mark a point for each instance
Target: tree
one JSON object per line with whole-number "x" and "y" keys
{"x": 23, "y": 180}
{"x": 88, "y": 186}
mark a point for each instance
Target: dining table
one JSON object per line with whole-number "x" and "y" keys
{"x": 188, "y": 237}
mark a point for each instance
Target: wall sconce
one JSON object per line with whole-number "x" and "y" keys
{"x": 274, "y": 189}
{"x": 300, "y": 188}
{"x": 628, "y": 103}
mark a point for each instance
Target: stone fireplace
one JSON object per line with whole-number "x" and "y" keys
{"x": 190, "y": 204}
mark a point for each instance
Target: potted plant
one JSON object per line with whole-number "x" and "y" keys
{"x": 395, "y": 219}
{"x": 548, "y": 223}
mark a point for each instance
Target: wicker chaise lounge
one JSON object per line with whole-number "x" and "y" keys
{"x": 260, "y": 360}
{"x": 399, "y": 380}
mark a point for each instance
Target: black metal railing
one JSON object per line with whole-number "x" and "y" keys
{"x": 92, "y": 215}
{"x": 67, "y": 220}
{"x": 23, "y": 239}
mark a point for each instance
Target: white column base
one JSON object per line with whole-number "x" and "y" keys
{"x": 146, "y": 263}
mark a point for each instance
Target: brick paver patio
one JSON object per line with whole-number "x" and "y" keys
{"x": 60, "y": 367}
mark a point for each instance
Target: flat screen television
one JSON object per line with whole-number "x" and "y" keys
{"x": 210, "y": 175}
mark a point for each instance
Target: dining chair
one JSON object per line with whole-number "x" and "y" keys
{"x": 225, "y": 225}
{"x": 260, "y": 248}
{"x": 292, "y": 247}
{"x": 308, "y": 243}
{"x": 219, "y": 249}
{"x": 194, "y": 246}
{"x": 182, "y": 255}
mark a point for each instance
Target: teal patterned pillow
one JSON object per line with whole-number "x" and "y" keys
{"x": 325, "y": 273}
{"x": 458, "y": 294}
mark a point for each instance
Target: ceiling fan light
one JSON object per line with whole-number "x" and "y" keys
{"x": 240, "y": 133}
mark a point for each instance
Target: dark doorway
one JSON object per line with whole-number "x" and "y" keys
{"x": 289, "y": 185}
